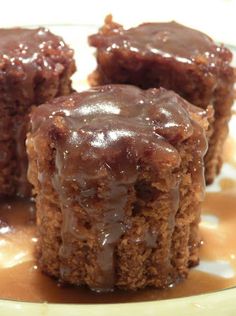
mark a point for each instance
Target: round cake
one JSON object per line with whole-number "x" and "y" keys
{"x": 119, "y": 179}
{"x": 175, "y": 57}
{"x": 35, "y": 66}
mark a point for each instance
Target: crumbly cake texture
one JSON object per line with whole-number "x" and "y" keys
{"x": 35, "y": 66}
{"x": 118, "y": 177}
{"x": 175, "y": 57}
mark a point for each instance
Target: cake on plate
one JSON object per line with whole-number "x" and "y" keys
{"x": 118, "y": 176}
{"x": 175, "y": 57}
{"x": 35, "y": 66}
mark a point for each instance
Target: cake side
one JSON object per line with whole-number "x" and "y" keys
{"x": 36, "y": 66}
{"x": 173, "y": 56}
{"x": 118, "y": 178}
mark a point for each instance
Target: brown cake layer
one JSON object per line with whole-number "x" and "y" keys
{"x": 118, "y": 178}
{"x": 175, "y": 57}
{"x": 35, "y": 66}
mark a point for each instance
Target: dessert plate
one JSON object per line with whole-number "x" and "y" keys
{"x": 220, "y": 302}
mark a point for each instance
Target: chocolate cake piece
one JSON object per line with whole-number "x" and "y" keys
{"x": 176, "y": 57}
{"x": 118, "y": 178}
{"x": 35, "y": 66}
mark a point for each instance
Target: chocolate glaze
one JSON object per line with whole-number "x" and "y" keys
{"x": 22, "y": 48}
{"x": 171, "y": 40}
{"x": 26, "y": 54}
{"x": 111, "y": 130}
{"x": 28, "y": 57}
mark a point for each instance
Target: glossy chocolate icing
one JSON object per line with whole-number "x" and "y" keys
{"x": 100, "y": 138}
{"x": 26, "y": 53}
{"x": 170, "y": 40}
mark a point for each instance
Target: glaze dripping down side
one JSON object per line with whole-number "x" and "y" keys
{"x": 102, "y": 141}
